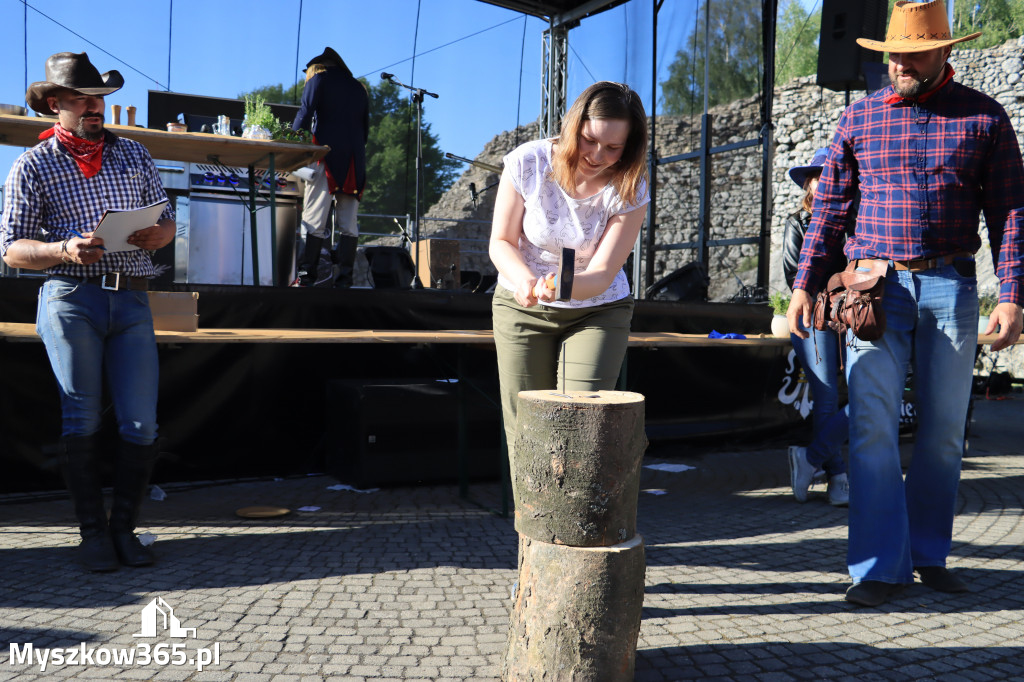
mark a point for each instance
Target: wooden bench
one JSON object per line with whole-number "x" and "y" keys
{"x": 18, "y": 331}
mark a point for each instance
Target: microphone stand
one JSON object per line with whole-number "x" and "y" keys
{"x": 417, "y": 97}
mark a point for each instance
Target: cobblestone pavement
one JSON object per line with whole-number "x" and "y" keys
{"x": 414, "y": 583}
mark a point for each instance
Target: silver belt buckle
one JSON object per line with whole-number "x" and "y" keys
{"x": 117, "y": 281}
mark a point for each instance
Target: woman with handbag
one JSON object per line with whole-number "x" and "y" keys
{"x": 820, "y": 357}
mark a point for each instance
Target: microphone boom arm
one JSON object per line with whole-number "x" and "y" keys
{"x": 478, "y": 164}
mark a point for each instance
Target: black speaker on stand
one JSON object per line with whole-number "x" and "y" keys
{"x": 840, "y": 58}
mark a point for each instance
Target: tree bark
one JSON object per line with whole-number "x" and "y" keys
{"x": 577, "y": 466}
{"x": 576, "y": 613}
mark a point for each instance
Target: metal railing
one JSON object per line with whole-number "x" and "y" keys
{"x": 403, "y": 233}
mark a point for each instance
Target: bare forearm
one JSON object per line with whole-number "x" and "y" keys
{"x": 30, "y": 254}
{"x": 509, "y": 261}
{"x": 589, "y": 284}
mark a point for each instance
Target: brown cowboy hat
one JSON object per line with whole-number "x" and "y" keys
{"x": 69, "y": 71}
{"x": 916, "y": 27}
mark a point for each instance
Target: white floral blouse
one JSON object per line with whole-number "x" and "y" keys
{"x": 554, "y": 220}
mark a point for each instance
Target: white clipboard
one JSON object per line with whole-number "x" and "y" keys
{"x": 117, "y": 225}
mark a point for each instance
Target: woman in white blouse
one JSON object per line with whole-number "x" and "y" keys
{"x": 583, "y": 190}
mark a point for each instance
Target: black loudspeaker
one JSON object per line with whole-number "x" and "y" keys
{"x": 391, "y": 267}
{"x": 688, "y": 284}
{"x": 393, "y": 432}
{"x": 839, "y": 56}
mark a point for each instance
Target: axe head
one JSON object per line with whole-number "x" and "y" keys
{"x": 566, "y": 272}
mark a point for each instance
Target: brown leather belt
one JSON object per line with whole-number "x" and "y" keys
{"x": 921, "y": 263}
{"x": 113, "y": 281}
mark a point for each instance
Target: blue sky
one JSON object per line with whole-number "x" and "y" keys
{"x": 470, "y": 53}
{"x": 483, "y": 61}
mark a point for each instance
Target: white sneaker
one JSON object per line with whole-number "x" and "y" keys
{"x": 800, "y": 472}
{"x": 839, "y": 490}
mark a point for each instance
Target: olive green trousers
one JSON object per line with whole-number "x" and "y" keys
{"x": 564, "y": 349}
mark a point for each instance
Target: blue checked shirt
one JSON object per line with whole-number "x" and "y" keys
{"x": 47, "y": 195}
{"x": 925, "y": 172}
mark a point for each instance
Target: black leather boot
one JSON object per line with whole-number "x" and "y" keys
{"x": 78, "y": 464}
{"x": 131, "y": 481}
{"x": 345, "y": 254}
{"x": 310, "y": 261}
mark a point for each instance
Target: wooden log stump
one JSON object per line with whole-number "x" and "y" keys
{"x": 576, "y": 613}
{"x": 576, "y": 474}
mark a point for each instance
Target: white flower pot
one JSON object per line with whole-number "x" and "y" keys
{"x": 780, "y": 327}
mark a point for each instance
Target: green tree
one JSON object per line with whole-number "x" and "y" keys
{"x": 277, "y": 94}
{"x": 998, "y": 21}
{"x": 390, "y": 151}
{"x": 391, "y": 156}
{"x": 796, "y": 42}
{"x": 735, "y": 59}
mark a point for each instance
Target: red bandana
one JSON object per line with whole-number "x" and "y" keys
{"x": 87, "y": 154}
{"x": 894, "y": 97}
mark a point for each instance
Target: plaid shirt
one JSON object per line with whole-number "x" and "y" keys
{"x": 924, "y": 171}
{"x": 46, "y": 196}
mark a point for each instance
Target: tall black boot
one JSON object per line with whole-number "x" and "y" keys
{"x": 78, "y": 463}
{"x": 310, "y": 261}
{"x": 346, "y": 257}
{"x": 134, "y": 467}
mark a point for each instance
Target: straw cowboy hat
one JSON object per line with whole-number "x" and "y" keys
{"x": 69, "y": 71}
{"x": 916, "y": 27}
{"x": 799, "y": 174}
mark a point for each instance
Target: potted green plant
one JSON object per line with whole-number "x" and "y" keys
{"x": 780, "y": 304}
{"x": 260, "y": 122}
{"x": 986, "y": 304}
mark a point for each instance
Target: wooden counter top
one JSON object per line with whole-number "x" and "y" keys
{"x": 17, "y": 331}
{"x": 23, "y": 131}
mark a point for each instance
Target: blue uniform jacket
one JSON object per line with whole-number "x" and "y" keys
{"x": 336, "y": 108}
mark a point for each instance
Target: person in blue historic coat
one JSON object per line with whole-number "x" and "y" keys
{"x": 336, "y": 109}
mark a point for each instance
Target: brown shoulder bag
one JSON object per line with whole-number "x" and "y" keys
{"x": 853, "y": 300}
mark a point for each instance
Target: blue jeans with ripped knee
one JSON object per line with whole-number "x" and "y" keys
{"x": 90, "y": 334}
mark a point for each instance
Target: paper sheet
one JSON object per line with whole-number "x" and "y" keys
{"x": 117, "y": 225}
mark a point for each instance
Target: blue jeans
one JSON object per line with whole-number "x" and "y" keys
{"x": 90, "y": 332}
{"x": 897, "y": 524}
{"x": 831, "y": 424}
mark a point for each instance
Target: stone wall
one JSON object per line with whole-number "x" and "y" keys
{"x": 805, "y": 117}
{"x": 735, "y": 197}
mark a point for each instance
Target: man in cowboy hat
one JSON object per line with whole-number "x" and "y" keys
{"x": 927, "y": 154}
{"x": 94, "y": 316}
{"x": 336, "y": 108}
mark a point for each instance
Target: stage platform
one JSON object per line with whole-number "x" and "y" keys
{"x": 257, "y": 390}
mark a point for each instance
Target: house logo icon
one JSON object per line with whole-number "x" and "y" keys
{"x": 158, "y": 614}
